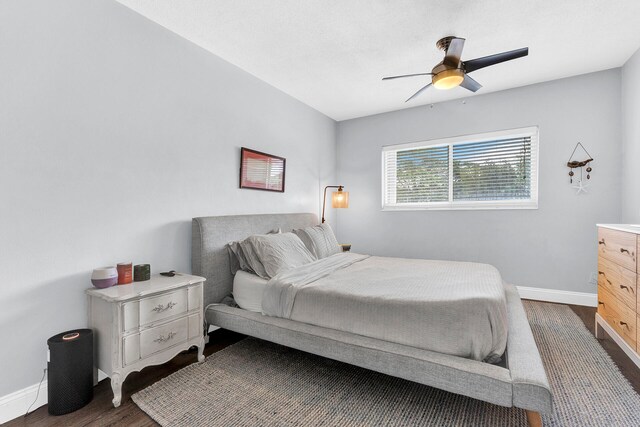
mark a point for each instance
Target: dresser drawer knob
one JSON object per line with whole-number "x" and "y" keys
{"x": 600, "y": 302}
{"x": 623, "y": 323}
{"x": 601, "y": 242}
{"x": 608, "y": 281}
{"x": 160, "y": 308}
{"x": 162, "y": 338}
{"x": 624, "y": 287}
{"x": 605, "y": 277}
{"x": 623, "y": 250}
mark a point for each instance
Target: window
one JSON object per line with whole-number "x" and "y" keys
{"x": 497, "y": 170}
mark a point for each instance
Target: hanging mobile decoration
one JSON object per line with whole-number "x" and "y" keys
{"x": 574, "y": 164}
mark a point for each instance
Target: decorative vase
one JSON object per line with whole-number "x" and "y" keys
{"x": 141, "y": 272}
{"x": 104, "y": 277}
{"x": 125, "y": 273}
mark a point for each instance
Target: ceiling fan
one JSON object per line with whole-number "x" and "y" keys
{"x": 452, "y": 71}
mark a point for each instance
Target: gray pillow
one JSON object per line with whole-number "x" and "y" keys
{"x": 253, "y": 260}
{"x": 249, "y": 262}
{"x": 319, "y": 240}
{"x": 277, "y": 252}
{"x": 237, "y": 259}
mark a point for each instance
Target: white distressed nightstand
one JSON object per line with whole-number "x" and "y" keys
{"x": 145, "y": 323}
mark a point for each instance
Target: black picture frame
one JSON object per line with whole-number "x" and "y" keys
{"x": 262, "y": 171}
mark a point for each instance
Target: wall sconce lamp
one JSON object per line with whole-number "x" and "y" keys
{"x": 339, "y": 199}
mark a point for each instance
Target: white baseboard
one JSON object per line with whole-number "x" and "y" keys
{"x": 15, "y": 405}
{"x": 554, "y": 295}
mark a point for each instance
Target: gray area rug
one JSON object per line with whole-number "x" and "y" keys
{"x": 257, "y": 383}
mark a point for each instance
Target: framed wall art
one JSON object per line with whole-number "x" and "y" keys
{"x": 261, "y": 171}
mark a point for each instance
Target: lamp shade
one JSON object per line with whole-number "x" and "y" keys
{"x": 448, "y": 79}
{"x": 340, "y": 199}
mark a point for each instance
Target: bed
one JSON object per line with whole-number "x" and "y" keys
{"x": 520, "y": 380}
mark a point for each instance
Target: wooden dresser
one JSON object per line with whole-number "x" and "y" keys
{"x": 145, "y": 323}
{"x": 618, "y": 279}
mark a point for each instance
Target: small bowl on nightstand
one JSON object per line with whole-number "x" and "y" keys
{"x": 104, "y": 277}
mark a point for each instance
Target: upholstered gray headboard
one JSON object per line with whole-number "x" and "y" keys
{"x": 209, "y": 256}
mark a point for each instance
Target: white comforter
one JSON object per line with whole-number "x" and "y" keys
{"x": 456, "y": 308}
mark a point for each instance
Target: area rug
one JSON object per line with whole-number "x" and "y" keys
{"x": 257, "y": 383}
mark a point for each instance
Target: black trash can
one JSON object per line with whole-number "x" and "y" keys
{"x": 70, "y": 371}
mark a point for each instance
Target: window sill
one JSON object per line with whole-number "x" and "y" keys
{"x": 461, "y": 207}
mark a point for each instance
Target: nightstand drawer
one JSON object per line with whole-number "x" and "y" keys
{"x": 152, "y": 309}
{"x": 162, "y": 337}
{"x": 618, "y": 246}
{"x": 617, "y": 280}
{"x": 163, "y": 306}
{"x": 154, "y": 340}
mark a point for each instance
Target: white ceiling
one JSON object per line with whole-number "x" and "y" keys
{"x": 332, "y": 54}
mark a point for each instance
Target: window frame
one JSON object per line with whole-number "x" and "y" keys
{"x": 531, "y": 203}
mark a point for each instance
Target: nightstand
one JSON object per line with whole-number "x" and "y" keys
{"x": 145, "y": 323}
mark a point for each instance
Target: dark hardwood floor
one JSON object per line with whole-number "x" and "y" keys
{"x": 100, "y": 412}
{"x": 626, "y": 366}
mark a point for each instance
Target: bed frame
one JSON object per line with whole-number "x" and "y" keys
{"x": 520, "y": 382}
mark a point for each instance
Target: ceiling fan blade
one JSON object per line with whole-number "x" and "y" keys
{"x": 470, "y": 84}
{"x": 407, "y": 75}
{"x": 454, "y": 52}
{"x": 418, "y": 92}
{"x": 476, "y": 64}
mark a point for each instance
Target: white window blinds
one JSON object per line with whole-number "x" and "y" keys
{"x": 497, "y": 170}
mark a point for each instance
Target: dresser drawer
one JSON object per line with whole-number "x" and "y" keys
{"x": 148, "y": 310}
{"x": 163, "y": 306}
{"x": 162, "y": 337}
{"x": 618, "y": 315}
{"x": 618, "y": 246}
{"x": 617, "y": 280}
{"x": 154, "y": 340}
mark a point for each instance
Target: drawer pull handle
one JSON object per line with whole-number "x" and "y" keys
{"x": 160, "y": 308}
{"x": 601, "y": 242}
{"x": 623, "y": 323}
{"x": 605, "y": 277}
{"x": 623, "y": 250}
{"x": 600, "y": 302}
{"x": 162, "y": 338}
{"x": 623, "y": 287}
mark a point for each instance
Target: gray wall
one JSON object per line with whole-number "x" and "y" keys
{"x": 631, "y": 139}
{"x": 551, "y": 247}
{"x": 114, "y": 133}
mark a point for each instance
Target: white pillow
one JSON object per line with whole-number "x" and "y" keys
{"x": 278, "y": 252}
{"x": 319, "y": 240}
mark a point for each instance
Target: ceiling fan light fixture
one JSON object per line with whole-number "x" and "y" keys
{"x": 452, "y": 71}
{"x": 448, "y": 79}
